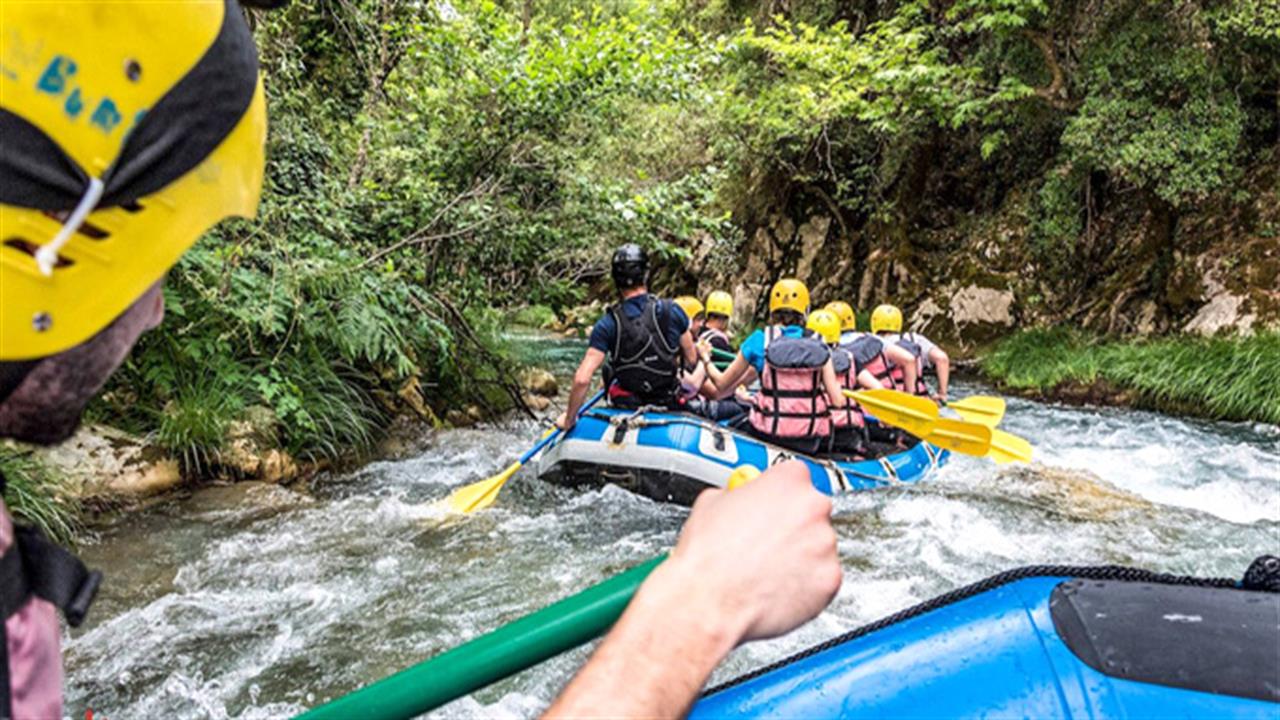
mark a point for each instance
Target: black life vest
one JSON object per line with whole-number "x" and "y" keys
{"x": 642, "y": 363}
{"x": 34, "y": 565}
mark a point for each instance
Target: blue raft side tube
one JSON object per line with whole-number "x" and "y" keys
{"x": 994, "y": 654}
{"x": 682, "y": 433}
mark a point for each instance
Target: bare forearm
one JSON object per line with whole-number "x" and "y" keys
{"x": 577, "y": 394}
{"x": 656, "y": 659}
{"x": 943, "y": 365}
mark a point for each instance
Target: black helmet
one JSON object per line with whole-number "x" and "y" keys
{"x": 630, "y": 266}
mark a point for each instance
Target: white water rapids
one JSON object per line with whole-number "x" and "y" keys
{"x": 252, "y": 601}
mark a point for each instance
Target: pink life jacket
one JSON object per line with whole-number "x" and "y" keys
{"x": 37, "y": 578}
{"x": 792, "y": 402}
{"x": 847, "y": 373}
{"x": 714, "y": 333}
{"x": 870, "y": 350}
{"x": 907, "y": 343}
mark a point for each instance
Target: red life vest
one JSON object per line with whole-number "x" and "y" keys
{"x": 847, "y": 373}
{"x": 792, "y": 402}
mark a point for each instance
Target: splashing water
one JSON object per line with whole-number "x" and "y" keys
{"x": 254, "y": 601}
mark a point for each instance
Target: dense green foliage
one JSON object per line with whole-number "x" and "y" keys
{"x": 1233, "y": 379}
{"x": 432, "y": 165}
{"x": 33, "y": 494}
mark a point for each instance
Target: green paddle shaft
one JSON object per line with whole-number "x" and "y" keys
{"x": 516, "y": 646}
{"x": 722, "y": 354}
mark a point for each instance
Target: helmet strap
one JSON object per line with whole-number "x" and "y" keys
{"x": 47, "y": 254}
{"x": 12, "y": 374}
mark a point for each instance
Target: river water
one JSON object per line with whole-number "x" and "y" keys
{"x": 254, "y": 601}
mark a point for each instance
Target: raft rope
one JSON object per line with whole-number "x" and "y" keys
{"x": 1263, "y": 575}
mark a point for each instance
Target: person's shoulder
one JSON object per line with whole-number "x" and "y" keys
{"x": 603, "y": 331}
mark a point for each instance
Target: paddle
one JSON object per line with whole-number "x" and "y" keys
{"x": 480, "y": 495}
{"x": 500, "y": 653}
{"x": 981, "y": 409}
{"x": 1007, "y": 448}
{"x": 503, "y": 652}
{"x": 959, "y": 436}
{"x": 912, "y": 413}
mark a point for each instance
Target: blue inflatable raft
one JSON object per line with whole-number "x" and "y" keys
{"x": 1041, "y": 642}
{"x": 671, "y": 457}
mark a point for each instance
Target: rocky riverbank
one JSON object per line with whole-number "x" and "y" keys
{"x": 104, "y": 469}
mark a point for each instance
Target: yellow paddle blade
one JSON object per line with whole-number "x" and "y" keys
{"x": 981, "y": 409}
{"x": 912, "y": 413}
{"x": 959, "y": 436}
{"x": 480, "y": 495}
{"x": 1007, "y": 447}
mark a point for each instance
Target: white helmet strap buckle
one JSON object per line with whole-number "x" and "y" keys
{"x": 47, "y": 254}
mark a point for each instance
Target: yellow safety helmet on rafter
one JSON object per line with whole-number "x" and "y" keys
{"x": 789, "y": 294}
{"x": 689, "y": 305}
{"x": 886, "y": 318}
{"x": 129, "y": 130}
{"x": 844, "y": 311}
{"x": 826, "y": 325}
{"x": 720, "y": 303}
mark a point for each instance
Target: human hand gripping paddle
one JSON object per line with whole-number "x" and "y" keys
{"x": 480, "y": 495}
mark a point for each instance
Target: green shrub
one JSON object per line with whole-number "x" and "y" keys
{"x": 534, "y": 316}
{"x": 192, "y": 426}
{"x": 1228, "y": 378}
{"x": 33, "y": 494}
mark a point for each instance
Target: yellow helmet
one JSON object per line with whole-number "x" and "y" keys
{"x": 689, "y": 305}
{"x": 789, "y": 294}
{"x": 886, "y": 318}
{"x": 848, "y": 321}
{"x": 826, "y": 325}
{"x": 130, "y": 129}
{"x": 720, "y": 303}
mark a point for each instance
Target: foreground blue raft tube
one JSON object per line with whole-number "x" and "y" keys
{"x": 672, "y": 457}
{"x": 1045, "y": 642}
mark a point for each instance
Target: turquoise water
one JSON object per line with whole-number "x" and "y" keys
{"x": 253, "y": 601}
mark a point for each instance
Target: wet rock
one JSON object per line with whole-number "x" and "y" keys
{"x": 812, "y": 236}
{"x": 466, "y": 417}
{"x": 1222, "y": 312}
{"x": 103, "y": 463}
{"x": 1073, "y": 494}
{"x": 926, "y": 313}
{"x": 1145, "y": 322}
{"x": 977, "y": 305}
{"x": 538, "y": 381}
{"x": 459, "y": 419}
{"x": 537, "y": 403}
{"x": 278, "y": 466}
{"x": 411, "y": 393}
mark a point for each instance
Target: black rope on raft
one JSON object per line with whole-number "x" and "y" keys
{"x": 1263, "y": 575}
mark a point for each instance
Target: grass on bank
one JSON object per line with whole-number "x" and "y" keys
{"x": 33, "y": 495}
{"x": 1222, "y": 378}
